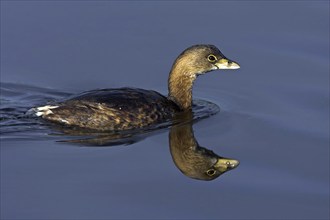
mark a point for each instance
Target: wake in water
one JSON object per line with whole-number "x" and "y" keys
{"x": 15, "y": 124}
{"x": 16, "y": 100}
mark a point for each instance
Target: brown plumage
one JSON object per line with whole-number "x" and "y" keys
{"x": 131, "y": 108}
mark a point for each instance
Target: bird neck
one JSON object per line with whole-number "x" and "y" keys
{"x": 180, "y": 84}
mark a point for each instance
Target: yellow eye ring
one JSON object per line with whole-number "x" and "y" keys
{"x": 210, "y": 172}
{"x": 212, "y": 58}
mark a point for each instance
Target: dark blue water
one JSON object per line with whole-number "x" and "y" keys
{"x": 274, "y": 115}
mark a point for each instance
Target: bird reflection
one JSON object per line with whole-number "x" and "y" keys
{"x": 193, "y": 160}
{"x": 189, "y": 157}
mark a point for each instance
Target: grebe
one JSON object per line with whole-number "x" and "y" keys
{"x": 133, "y": 108}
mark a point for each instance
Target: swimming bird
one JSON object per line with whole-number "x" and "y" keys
{"x": 132, "y": 108}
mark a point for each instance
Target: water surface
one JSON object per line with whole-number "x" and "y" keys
{"x": 274, "y": 114}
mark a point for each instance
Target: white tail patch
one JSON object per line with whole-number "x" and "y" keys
{"x": 43, "y": 110}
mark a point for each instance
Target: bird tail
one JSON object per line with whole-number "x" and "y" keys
{"x": 42, "y": 110}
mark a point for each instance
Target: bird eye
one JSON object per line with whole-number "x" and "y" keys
{"x": 210, "y": 172}
{"x": 211, "y": 58}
